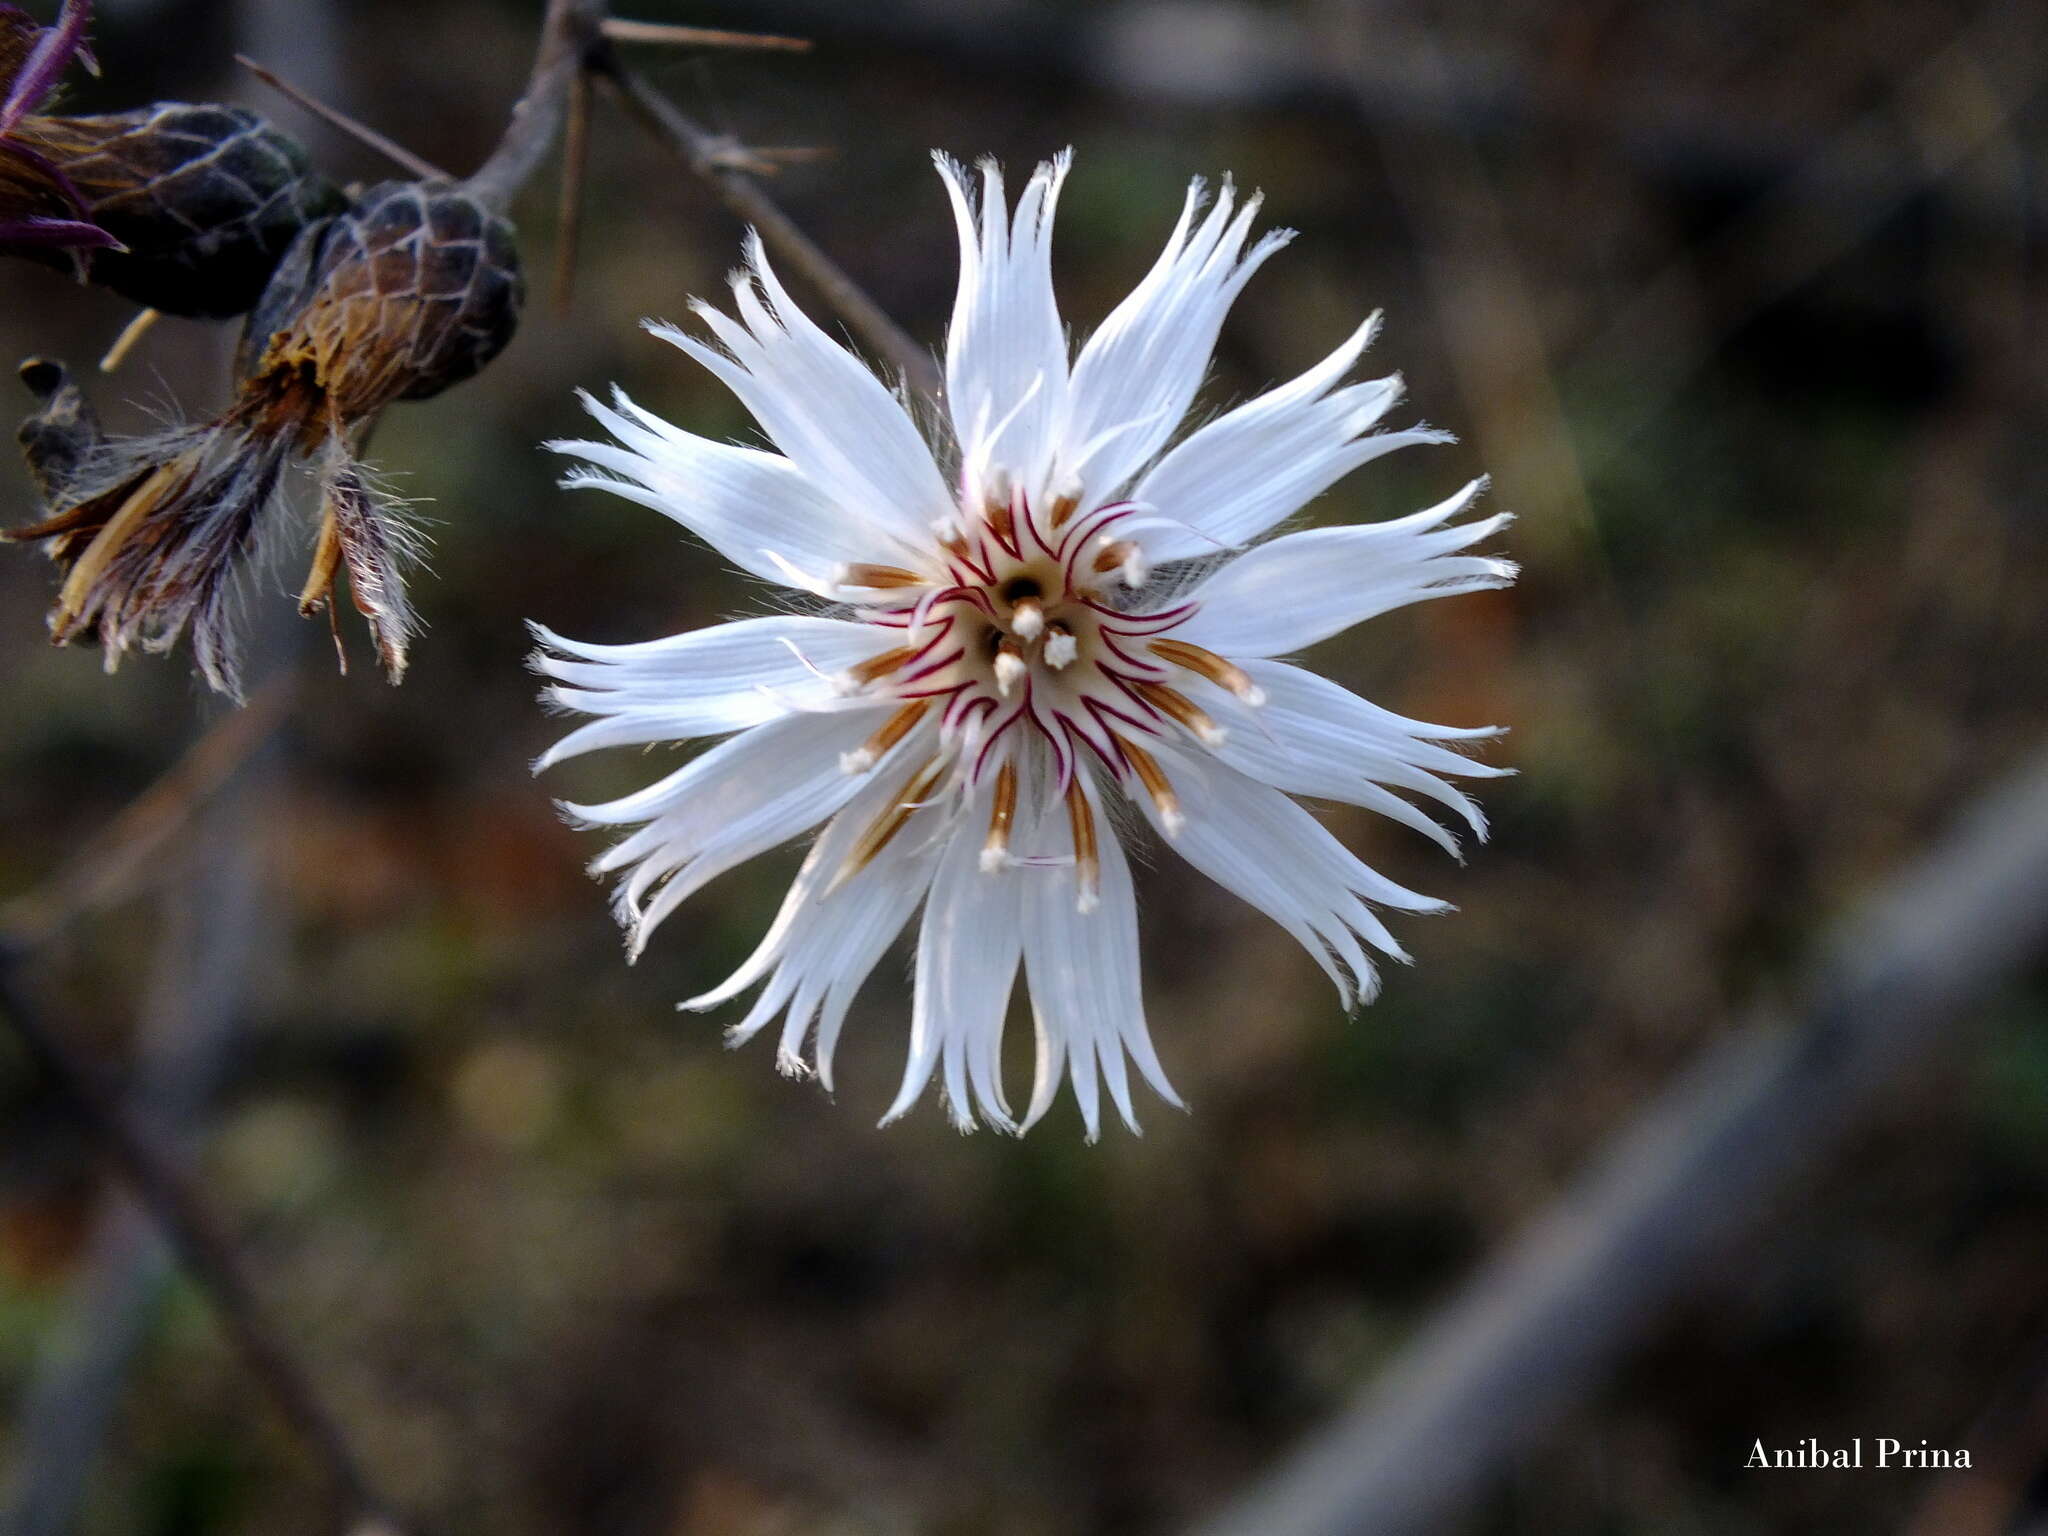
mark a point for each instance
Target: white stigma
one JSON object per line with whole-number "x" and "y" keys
{"x": 1088, "y": 900}
{"x": 1172, "y": 819}
{"x": 1060, "y": 650}
{"x": 993, "y": 858}
{"x": 1134, "y": 569}
{"x": 1010, "y": 670}
{"x": 1027, "y": 619}
{"x": 860, "y": 760}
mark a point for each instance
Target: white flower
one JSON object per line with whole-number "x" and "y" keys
{"x": 1066, "y": 624}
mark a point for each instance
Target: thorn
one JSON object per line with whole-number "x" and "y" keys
{"x": 620, "y": 30}
{"x": 389, "y": 148}
{"x": 575, "y": 161}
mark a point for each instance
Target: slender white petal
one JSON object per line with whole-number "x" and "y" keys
{"x": 754, "y": 508}
{"x": 1252, "y": 468}
{"x": 741, "y": 798}
{"x": 968, "y": 948}
{"x": 1252, "y": 840}
{"x": 703, "y": 683}
{"x": 1304, "y": 587}
{"x": 825, "y": 942}
{"x": 1006, "y": 351}
{"x": 1138, "y": 373}
{"x": 1082, "y": 968}
{"x": 847, "y": 434}
{"x": 1313, "y": 737}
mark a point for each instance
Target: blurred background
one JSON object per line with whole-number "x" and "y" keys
{"x": 1739, "y": 304}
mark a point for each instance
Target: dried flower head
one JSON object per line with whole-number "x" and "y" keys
{"x": 41, "y": 209}
{"x": 413, "y": 288}
{"x": 1067, "y": 631}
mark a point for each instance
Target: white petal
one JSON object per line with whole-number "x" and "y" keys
{"x": 1248, "y": 470}
{"x": 756, "y": 509}
{"x": 1253, "y": 840}
{"x": 968, "y": 948}
{"x": 743, "y": 797}
{"x": 1303, "y": 587}
{"x": 1082, "y": 969}
{"x": 702, "y": 683}
{"x": 822, "y": 947}
{"x": 1312, "y": 737}
{"x": 1006, "y": 351}
{"x": 1138, "y": 373}
{"x": 839, "y": 424}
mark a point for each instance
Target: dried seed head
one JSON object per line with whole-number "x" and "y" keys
{"x": 204, "y": 199}
{"x": 411, "y": 290}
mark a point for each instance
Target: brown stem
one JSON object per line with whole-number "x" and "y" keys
{"x": 703, "y": 152}
{"x": 202, "y": 1245}
{"x": 568, "y": 32}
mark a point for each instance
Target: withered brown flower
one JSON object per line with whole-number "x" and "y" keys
{"x": 413, "y": 288}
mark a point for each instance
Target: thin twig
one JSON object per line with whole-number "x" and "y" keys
{"x": 1536, "y": 1331}
{"x": 202, "y": 1244}
{"x": 110, "y": 865}
{"x": 708, "y": 155}
{"x": 391, "y": 149}
{"x": 620, "y": 30}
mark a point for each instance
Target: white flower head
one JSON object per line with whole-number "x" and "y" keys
{"x": 1069, "y": 623}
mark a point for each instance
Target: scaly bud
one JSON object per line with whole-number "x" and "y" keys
{"x": 203, "y": 200}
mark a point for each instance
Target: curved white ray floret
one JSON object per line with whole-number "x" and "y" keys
{"x": 1003, "y": 663}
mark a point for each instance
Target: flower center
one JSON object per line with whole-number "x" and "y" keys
{"x": 1026, "y": 625}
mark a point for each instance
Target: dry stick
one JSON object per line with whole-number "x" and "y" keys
{"x": 214, "y": 922}
{"x": 1536, "y": 1331}
{"x": 111, "y": 864}
{"x": 205, "y": 1249}
{"x": 705, "y": 153}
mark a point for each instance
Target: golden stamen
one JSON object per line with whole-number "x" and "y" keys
{"x": 1206, "y": 663}
{"x": 893, "y": 730}
{"x": 1157, "y": 785}
{"x": 879, "y": 577}
{"x": 1183, "y": 709}
{"x": 885, "y": 826}
{"x": 1087, "y": 861}
{"x": 1064, "y": 507}
{"x": 1000, "y": 820}
{"x": 880, "y": 666}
